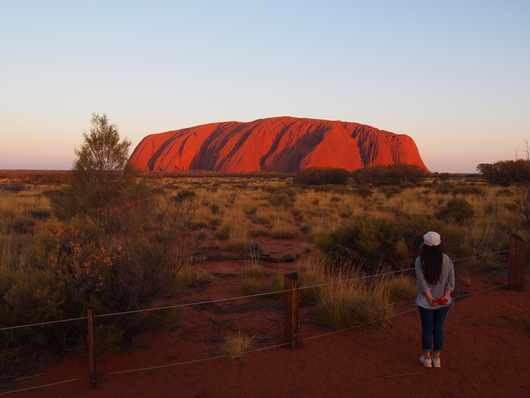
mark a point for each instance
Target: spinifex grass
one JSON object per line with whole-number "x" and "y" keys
{"x": 236, "y": 346}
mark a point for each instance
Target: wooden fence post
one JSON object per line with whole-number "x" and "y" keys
{"x": 517, "y": 263}
{"x": 292, "y": 299}
{"x": 91, "y": 349}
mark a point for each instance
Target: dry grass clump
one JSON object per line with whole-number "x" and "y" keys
{"x": 252, "y": 276}
{"x": 236, "y": 346}
{"x": 347, "y": 305}
{"x": 399, "y": 287}
{"x": 312, "y": 276}
{"x": 192, "y": 275}
{"x": 283, "y": 230}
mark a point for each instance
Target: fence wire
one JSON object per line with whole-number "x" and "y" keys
{"x": 180, "y": 305}
{"x": 240, "y": 298}
{"x": 201, "y": 360}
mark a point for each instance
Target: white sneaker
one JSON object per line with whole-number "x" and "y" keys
{"x": 426, "y": 361}
{"x": 436, "y": 363}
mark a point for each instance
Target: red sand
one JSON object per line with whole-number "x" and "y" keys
{"x": 486, "y": 354}
{"x": 486, "y": 350}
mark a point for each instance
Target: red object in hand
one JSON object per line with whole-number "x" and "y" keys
{"x": 441, "y": 301}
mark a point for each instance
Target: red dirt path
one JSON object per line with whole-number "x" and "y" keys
{"x": 486, "y": 355}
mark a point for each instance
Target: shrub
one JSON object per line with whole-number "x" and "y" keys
{"x": 322, "y": 176}
{"x": 192, "y": 275}
{"x": 107, "y": 338}
{"x": 184, "y": 194}
{"x": 395, "y": 174}
{"x": 457, "y": 211}
{"x": 166, "y": 319}
{"x": 9, "y": 358}
{"x": 506, "y": 172}
{"x": 14, "y": 186}
{"x": 364, "y": 191}
{"x": 282, "y": 199}
{"x": 375, "y": 238}
{"x": 39, "y": 296}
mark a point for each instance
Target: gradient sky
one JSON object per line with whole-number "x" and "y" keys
{"x": 453, "y": 75}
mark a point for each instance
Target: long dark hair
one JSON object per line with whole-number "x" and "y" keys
{"x": 431, "y": 262}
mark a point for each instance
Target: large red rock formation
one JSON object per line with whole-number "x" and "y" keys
{"x": 274, "y": 144}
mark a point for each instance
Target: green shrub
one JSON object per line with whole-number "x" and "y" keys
{"x": 457, "y": 211}
{"x": 107, "y": 338}
{"x": 282, "y": 200}
{"x": 40, "y": 296}
{"x": 395, "y": 174}
{"x": 184, "y": 194}
{"x": 506, "y": 172}
{"x": 322, "y": 176}
{"x": 10, "y": 358}
{"x": 166, "y": 319}
{"x": 375, "y": 238}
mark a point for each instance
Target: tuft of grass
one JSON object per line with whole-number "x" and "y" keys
{"x": 276, "y": 285}
{"x": 312, "y": 273}
{"x": 283, "y": 230}
{"x": 345, "y": 305}
{"x": 251, "y": 276}
{"x": 191, "y": 275}
{"x": 165, "y": 320}
{"x": 236, "y": 346}
{"x": 399, "y": 288}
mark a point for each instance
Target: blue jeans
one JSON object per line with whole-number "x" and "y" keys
{"x": 432, "y": 326}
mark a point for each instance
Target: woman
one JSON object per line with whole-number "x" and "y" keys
{"x": 436, "y": 278}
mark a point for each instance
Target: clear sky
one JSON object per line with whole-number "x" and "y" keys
{"x": 452, "y": 74}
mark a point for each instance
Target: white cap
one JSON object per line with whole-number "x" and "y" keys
{"x": 432, "y": 238}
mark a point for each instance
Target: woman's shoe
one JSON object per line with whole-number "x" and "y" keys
{"x": 426, "y": 361}
{"x": 436, "y": 362}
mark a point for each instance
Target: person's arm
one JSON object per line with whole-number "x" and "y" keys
{"x": 431, "y": 299}
{"x": 424, "y": 286}
{"x": 450, "y": 284}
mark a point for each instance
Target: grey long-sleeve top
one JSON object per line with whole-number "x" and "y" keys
{"x": 446, "y": 282}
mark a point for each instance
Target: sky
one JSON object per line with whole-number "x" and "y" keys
{"x": 454, "y": 75}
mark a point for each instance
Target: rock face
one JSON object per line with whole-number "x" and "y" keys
{"x": 275, "y": 144}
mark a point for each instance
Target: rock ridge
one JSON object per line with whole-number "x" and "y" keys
{"x": 284, "y": 144}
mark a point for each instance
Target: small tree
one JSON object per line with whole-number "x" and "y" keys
{"x": 506, "y": 172}
{"x": 102, "y": 149}
{"x": 99, "y": 179}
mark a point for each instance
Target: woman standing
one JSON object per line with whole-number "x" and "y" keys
{"x": 436, "y": 278}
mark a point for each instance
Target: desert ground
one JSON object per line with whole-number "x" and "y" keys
{"x": 486, "y": 351}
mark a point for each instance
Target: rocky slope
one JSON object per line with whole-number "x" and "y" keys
{"x": 274, "y": 144}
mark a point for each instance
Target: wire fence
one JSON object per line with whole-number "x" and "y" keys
{"x": 216, "y": 357}
{"x": 205, "y": 302}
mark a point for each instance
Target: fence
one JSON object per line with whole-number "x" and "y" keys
{"x": 291, "y": 336}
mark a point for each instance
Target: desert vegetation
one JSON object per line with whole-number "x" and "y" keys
{"x": 116, "y": 240}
